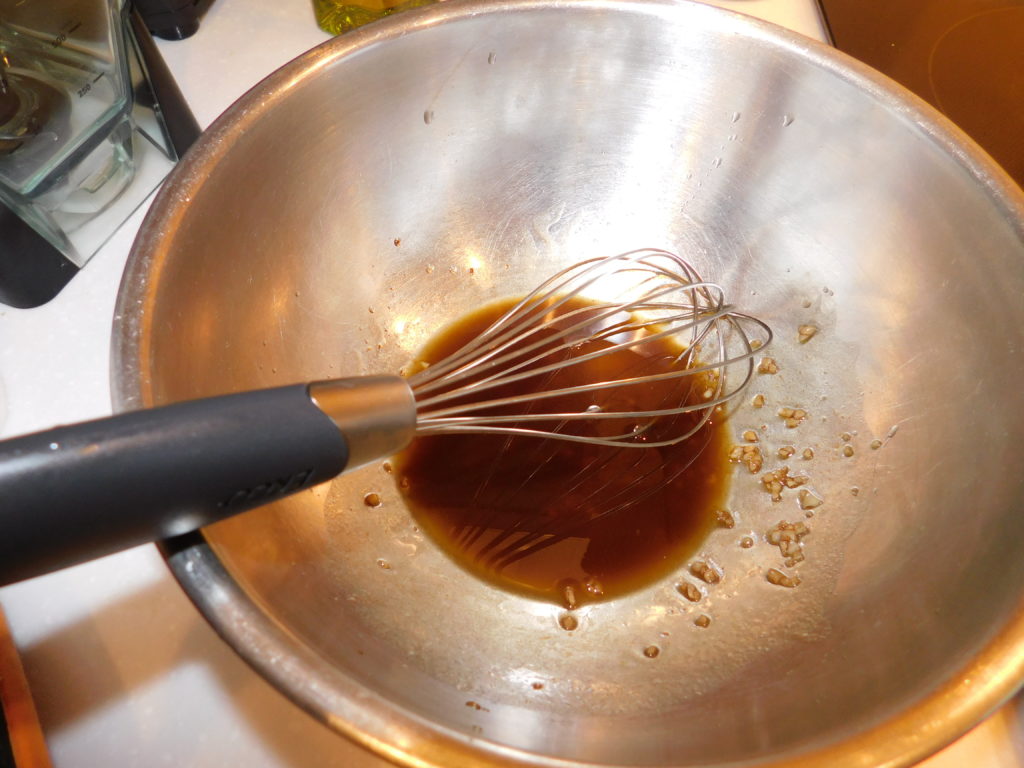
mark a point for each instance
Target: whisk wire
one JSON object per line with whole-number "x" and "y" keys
{"x": 670, "y": 325}
{"x": 468, "y": 360}
{"x": 545, "y": 300}
{"x": 656, "y": 296}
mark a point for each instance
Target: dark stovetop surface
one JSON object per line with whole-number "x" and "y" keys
{"x": 966, "y": 57}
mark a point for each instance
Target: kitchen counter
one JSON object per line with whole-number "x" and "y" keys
{"x": 125, "y": 672}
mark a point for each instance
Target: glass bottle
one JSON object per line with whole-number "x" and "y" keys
{"x": 337, "y": 16}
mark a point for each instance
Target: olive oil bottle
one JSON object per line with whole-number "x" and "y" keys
{"x": 337, "y": 16}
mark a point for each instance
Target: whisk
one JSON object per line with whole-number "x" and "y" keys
{"x": 78, "y": 492}
{"x": 641, "y": 298}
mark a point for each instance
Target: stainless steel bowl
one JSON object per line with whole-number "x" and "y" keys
{"x": 393, "y": 178}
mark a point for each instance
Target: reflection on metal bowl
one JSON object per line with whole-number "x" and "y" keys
{"x": 394, "y": 178}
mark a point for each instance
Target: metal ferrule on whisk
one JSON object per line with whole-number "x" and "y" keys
{"x": 376, "y": 414}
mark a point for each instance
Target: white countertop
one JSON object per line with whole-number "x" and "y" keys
{"x": 124, "y": 671}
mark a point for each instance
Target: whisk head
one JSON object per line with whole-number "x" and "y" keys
{"x": 543, "y": 368}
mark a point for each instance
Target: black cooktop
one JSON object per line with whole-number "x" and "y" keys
{"x": 966, "y": 57}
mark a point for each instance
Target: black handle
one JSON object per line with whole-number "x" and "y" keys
{"x": 79, "y": 492}
{"x": 182, "y": 127}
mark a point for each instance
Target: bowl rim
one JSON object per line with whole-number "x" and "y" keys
{"x": 968, "y": 696}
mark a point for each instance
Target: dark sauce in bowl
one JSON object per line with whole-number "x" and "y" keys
{"x": 568, "y": 522}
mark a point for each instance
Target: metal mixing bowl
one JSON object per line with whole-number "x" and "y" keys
{"x": 388, "y": 181}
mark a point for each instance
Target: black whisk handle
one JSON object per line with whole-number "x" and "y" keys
{"x": 78, "y": 492}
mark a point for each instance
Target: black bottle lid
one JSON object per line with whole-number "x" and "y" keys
{"x": 170, "y": 19}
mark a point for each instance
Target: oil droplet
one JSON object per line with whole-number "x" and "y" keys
{"x": 430, "y": 268}
{"x": 537, "y": 686}
{"x": 568, "y": 622}
{"x": 847, "y": 451}
{"x": 382, "y": 563}
{"x": 652, "y": 651}
{"x": 372, "y": 500}
{"x": 386, "y": 466}
{"x": 570, "y": 590}
{"x": 428, "y": 116}
{"x": 397, "y": 241}
{"x": 876, "y": 444}
{"x": 703, "y": 621}
{"x": 746, "y": 542}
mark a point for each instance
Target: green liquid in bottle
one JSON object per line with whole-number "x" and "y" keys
{"x": 337, "y": 16}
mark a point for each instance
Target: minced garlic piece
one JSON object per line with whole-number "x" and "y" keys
{"x": 808, "y": 500}
{"x": 749, "y": 455}
{"x": 725, "y": 518}
{"x": 788, "y": 538}
{"x": 792, "y": 416}
{"x": 706, "y": 572}
{"x": 689, "y": 591}
{"x": 778, "y": 479}
{"x": 806, "y": 332}
{"x": 780, "y": 579}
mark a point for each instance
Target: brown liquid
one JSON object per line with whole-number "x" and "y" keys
{"x": 568, "y": 522}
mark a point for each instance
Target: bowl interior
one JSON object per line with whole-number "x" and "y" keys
{"x": 391, "y": 180}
